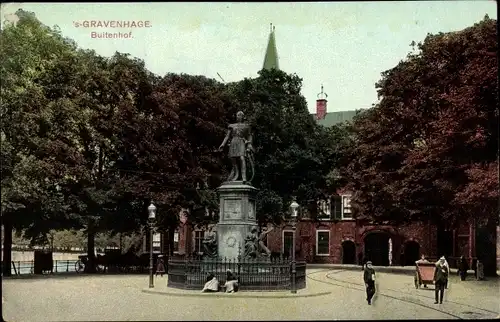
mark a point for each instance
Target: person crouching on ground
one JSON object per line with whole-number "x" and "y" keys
{"x": 463, "y": 267}
{"x": 369, "y": 278}
{"x": 440, "y": 279}
{"x": 231, "y": 282}
{"x": 212, "y": 284}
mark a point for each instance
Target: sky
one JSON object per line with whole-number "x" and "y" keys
{"x": 343, "y": 45}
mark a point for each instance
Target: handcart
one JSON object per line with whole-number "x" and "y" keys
{"x": 424, "y": 274}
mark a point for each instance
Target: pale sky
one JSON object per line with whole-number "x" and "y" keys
{"x": 344, "y": 46}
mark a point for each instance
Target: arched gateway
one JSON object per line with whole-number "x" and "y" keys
{"x": 377, "y": 248}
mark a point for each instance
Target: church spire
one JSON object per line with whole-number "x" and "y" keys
{"x": 271, "y": 57}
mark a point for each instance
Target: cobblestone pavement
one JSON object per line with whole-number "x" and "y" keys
{"x": 121, "y": 297}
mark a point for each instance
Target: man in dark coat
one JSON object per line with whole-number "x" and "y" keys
{"x": 463, "y": 267}
{"x": 369, "y": 278}
{"x": 440, "y": 279}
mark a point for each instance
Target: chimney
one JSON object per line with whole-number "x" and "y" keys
{"x": 321, "y": 108}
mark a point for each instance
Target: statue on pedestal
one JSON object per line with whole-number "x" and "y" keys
{"x": 210, "y": 244}
{"x": 240, "y": 149}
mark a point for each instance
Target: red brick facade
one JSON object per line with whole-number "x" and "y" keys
{"x": 350, "y": 242}
{"x": 347, "y": 231}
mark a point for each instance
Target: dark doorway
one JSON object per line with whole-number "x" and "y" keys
{"x": 377, "y": 248}
{"x": 444, "y": 242}
{"x": 486, "y": 248}
{"x": 412, "y": 252}
{"x": 348, "y": 252}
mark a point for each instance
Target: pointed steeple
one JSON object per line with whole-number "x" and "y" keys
{"x": 271, "y": 58}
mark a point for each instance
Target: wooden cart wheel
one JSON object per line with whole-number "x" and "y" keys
{"x": 417, "y": 283}
{"x": 79, "y": 266}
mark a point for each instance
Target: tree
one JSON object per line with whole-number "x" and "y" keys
{"x": 27, "y": 194}
{"x": 98, "y": 100}
{"x": 428, "y": 150}
{"x": 293, "y": 153}
{"x": 184, "y": 123}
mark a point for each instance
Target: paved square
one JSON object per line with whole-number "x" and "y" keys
{"x": 122, "y": 297}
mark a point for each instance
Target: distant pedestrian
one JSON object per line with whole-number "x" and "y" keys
{"x": 480, "y": 270}
{"x": 422, "y": 260}
{"x": 440, "y": 279}
{"x": 463, "y": 267}
{"x": 369, "y": 278}
{"x": 160, "y": 267}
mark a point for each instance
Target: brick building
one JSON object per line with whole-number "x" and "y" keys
{"x": 337, "y": 237}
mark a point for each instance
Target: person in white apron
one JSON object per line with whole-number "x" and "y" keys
{"x": 212, "y": 284}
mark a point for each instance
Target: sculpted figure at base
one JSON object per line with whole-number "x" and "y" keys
{"x": 251, "y": 244}
{"x": 263, "y": 250}
{"x": 254, "y": 244}
{"x": 240, "y": 149}
{"x": 210, "y": 244}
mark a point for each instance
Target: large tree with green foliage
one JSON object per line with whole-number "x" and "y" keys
{"x": 293, "y": 153}
{"x": 29, "y": 197}
{"x": 98, "y": 99}
{"x": 177, "y": 155}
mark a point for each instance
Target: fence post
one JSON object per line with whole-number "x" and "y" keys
{"x": 67, "y": 265}
{"x": 186, "y": 272}
{"x": 55, "y": 264}
{"x": 239, "y": 262}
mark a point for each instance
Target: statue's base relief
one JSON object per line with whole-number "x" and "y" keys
{"x": 237, "y": 216}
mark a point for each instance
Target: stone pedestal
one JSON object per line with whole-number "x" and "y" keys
{"x": 237, "y": 216}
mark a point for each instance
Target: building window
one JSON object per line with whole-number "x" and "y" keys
{"x": 323, "y": 242}
{"x": 337, "y": 207}
{"x": 324, "y": 209}
{"x": 346, "y": 207}
{"x": 198, "y": 241}
{"x": 287, "y": 242}
{"x": 176, "y": 241}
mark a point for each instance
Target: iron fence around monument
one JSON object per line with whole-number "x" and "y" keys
{"x": 253, "y": 275}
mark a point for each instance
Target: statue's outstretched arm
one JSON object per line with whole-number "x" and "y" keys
{"x": 228, "y": 133}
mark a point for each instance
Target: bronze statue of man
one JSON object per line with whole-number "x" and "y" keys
{"x": 240, "y": 148}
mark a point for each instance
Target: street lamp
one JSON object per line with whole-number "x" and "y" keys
{"x": 151, "y": 222}
{"x": 294, "y": 212}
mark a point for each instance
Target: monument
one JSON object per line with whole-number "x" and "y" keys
{"x": 235, "y": 245}
{"x": 237, "y": 196}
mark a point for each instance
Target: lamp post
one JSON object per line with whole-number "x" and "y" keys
{"x": 294, "y": 210}
{"x": 151, "y": 222}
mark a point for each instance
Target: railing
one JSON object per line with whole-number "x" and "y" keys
{"x": 272, "y": 274}
{"x": 27, "y": 267}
